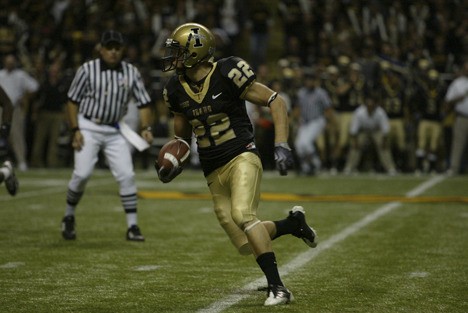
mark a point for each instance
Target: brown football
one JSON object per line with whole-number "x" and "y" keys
{"x": 174, "y": 153}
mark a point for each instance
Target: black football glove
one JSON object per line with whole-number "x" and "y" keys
{"x": 166, "y": 175}
{"x": 283, "y": 158}
{"x": 4, "y": 131}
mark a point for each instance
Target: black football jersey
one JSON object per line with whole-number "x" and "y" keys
{"x": 393, "y": 101}
{"x": 428, "y": 100}
{"x": 217, "y": 113}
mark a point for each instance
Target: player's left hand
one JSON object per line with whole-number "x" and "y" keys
{"x": 283, "y": 158}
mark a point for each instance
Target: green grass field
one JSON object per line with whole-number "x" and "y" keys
{"x": 374, "y": 256}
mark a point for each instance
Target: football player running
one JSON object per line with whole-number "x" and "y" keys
{"x": 7, "y": 172}
{"x": 208, "y": 99}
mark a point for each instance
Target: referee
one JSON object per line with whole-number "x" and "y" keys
{"x": 97, "y": 100}
{"x": 313, "y": 109}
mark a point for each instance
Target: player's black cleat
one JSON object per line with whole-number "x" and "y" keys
{"x": 278, "y": 295}
{"x": 68, "y": 227}
{"x": 134, "y": 234}
{"x": 303, "y": 231}
{"x": 11, "y": 183}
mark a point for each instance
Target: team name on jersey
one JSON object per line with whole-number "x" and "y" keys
{"x": 203, "y": 110}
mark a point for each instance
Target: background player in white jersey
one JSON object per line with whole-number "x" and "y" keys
{"x": 19, "y": 86}
{"x": 98, "y": 100}
{"x": 370, "y": 122}
{"x": 208, "y": 99}
{"x": 457, "y": 100}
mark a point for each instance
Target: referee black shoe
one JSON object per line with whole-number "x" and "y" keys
{"x": 303, "y": 231}
{"x": 11, "y": 183}
{"x": 134, "y": 234}
{"x": 68, "y": 227}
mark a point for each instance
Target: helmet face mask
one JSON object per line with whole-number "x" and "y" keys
{"x": 173, "y": 54}
{"x": 189, "y": 45}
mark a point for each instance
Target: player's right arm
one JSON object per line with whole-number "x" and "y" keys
{"x": 182, "y": 130}
{"x": 262, "y": 95}
{"x": 75, "y": 95}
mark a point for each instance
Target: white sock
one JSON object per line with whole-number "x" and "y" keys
{"x": 5, "y": 171}
{"x": 131, "y": 219}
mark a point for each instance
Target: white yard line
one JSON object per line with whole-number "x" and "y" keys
{"x": 53, "y": 190}
{"x": 306, "y": 257}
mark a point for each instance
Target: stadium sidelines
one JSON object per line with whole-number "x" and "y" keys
{"x": 290, "y": 197}
{"x": 306, "y": 257}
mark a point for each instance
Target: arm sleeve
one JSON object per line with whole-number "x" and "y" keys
{"x": 31, "y": 84}
{"x": 239, "y": 72}
{"x": 78, "y": 85}
{"x": 457, "y": 89}
{"x": 384, "y": 123}
{"x": 139, "y": 91}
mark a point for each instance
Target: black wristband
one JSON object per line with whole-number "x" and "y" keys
{"x": 75, "y": 129}
{"x": 5, "y": 130}
{"x": 148, "y": 128}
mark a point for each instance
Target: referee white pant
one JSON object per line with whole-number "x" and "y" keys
{"x": 116, "y": 151}
{"x": 305, "y": 139}
{"x": 306, "y": 136}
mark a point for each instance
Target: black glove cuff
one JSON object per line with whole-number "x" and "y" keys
{"x": 5, "y": 130}
{"x": 283, "y": 145}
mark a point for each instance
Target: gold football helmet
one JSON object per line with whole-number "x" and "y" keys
{"x": 189, "y": 44}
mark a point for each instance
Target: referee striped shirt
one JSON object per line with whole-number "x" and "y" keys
{"x": 103, "y": 93}
{"x": 312, "y": 103}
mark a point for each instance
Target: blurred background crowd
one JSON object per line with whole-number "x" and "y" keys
{"x": 409, "y": 51}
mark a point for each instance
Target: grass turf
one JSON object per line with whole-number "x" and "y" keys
{"x": 412, "y": 259}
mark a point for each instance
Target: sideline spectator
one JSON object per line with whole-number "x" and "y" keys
{"x": 49, "y": 118}
{"x": 457, "y": 100}
{"x": 259, "y": 25}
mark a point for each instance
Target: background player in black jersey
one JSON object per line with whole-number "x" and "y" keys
{"x": 7, "y": 172}
{"x": 208, "y": 99}
{"x": 428, "y": 99}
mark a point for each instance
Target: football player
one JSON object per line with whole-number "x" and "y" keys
{"x": 7, "y": 172}
{"x": 208, "y": 99}
{"x": 428, "y": 99}
{"x": 394, "y": 101}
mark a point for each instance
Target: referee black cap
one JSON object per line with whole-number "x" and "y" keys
{"x": 111, "y": 36}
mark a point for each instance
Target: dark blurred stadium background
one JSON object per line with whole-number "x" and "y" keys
{"x": 279, "y": 38}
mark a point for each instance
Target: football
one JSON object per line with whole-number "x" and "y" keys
{"x": 174, "y": 153}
